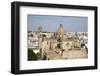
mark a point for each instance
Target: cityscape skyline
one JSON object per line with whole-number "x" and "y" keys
{"x": 51, "y": 23}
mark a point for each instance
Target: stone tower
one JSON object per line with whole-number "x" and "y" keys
{"x": 60, "y": 33}
{"x": 60, "y": 30}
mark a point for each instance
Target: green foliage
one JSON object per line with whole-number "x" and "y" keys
{"x": 38, "y": 56}
{"x": 31, "y": 55}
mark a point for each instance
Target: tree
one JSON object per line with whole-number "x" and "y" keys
{"x": 31, "y": 55}
{"x": 38, "y": 56}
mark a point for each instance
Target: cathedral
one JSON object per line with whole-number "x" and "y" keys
{"x": 57, "y": 45}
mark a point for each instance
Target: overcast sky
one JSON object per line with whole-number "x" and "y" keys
{"x": 51, "y": 23}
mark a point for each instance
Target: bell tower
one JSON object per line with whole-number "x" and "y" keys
{"x": 60, "y": 33}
